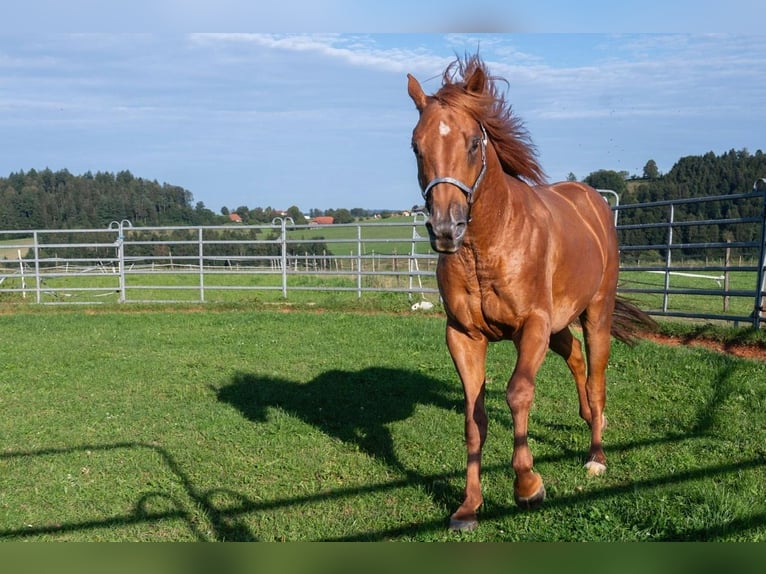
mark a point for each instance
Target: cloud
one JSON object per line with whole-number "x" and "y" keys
{"x": 214, "y": 111}
{"x": 645, "y": 76}
{"x": 356, "y": 49}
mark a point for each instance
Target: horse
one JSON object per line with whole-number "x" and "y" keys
{"x": 519, "y": 260}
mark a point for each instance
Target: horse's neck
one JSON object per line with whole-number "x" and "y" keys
{"x": 499, "y": 206}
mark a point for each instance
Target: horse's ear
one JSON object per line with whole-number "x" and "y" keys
{"x": 476, "y": 83}
{"x": 416, "y": 92}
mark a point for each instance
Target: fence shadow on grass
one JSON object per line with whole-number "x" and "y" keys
{"x": 226, "y": 524}
{"x": 355, "y": 407}
{"x": 223, "y": 525}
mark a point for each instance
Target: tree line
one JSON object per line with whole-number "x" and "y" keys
{"x": 60, "y": 200}
{"x": 49, "y": 199}
{"x": 731, "y": 173}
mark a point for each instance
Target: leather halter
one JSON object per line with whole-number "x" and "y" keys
{"x": 469, "y": 191}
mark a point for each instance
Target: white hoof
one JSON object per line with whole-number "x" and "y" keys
{"x": 595, "y": 468}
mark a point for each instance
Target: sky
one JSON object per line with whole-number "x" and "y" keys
{"x": 274, "y": 110}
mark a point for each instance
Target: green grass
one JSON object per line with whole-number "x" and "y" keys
{"x": 219, "y": 288}
{"x": 240, "y": 423}
{"x": 696, "y": 303}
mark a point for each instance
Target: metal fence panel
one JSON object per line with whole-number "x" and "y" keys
{"x": 676, "y": 278}
{"x": 718, "y": 279}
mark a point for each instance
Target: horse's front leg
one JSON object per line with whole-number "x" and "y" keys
{"x": 469, "y": 355}
{"x": 531, "y": 345}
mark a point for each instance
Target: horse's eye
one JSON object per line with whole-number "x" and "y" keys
{"x": 415, "y": 149}
{"x": 475, "y": 144}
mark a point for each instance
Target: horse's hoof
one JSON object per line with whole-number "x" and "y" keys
{"x": 462, "y": 524}
{"x": 595, "y": 468}
{"x": 531, "y": 502}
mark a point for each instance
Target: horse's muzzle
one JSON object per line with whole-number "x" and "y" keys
{"x": 446, "y": 234}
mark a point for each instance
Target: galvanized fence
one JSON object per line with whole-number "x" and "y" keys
{"x": 696, "y": 268}
{"x": 129, "y": 264}
{"x": 681, "y": 271}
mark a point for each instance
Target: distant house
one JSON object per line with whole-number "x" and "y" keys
{"x": 235, "y": 218}
{"x": 323, "y": 220}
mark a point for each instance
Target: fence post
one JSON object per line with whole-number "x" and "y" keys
{"x": 119, "y": 244}
{"x": 413, "y": 263}
{"x": 21, "y": 274}
{"x": 38, "y": 278}
{"x": 727, "y": 264}
{"x": 358, "y": 261}
{"x": 614, "y": 194}
{"x": 283, "y": 238}
{"x": 668, "y": 258}
{"x": 201, "y": 266}
{"x": 758, "y": 311}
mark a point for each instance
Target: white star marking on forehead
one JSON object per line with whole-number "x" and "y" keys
{"x": 444, "y": 129}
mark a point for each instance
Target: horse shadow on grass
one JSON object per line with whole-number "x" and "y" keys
{"x": 355, "y": 407}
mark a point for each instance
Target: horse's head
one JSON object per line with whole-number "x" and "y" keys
{"x": 450, "y": 147}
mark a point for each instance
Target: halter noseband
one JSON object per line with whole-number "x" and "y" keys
{"x": 469, "y": 191}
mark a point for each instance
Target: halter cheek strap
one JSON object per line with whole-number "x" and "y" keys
{"x": 469, "y": 191}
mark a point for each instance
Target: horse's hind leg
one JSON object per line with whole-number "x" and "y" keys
{"x": 564, "y": 344}
{"x": 597, "y": 324}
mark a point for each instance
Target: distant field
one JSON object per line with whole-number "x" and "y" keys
{"x": 12, "y": 253}
{"x": 738, "y": 281}
{"x": 391, "y": 238}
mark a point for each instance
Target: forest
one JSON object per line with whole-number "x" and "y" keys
{"x": 48, "y": 199}
{"x": 60, "y": 200}
{"x": 731, "y": 173}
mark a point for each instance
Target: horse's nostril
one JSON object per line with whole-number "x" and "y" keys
{"x": 445, "y": 230}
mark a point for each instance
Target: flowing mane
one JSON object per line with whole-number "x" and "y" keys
{"x": 511, "y": 140}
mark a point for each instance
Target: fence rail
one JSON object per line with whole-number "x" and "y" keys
{"x": 720, "y": 279}
{"x": 684, "y": 271}
{"x": 129, "y": 264}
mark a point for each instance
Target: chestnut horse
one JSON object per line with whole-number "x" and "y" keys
{"x": 519, "y": 260}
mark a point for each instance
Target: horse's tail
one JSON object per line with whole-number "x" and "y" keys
{"x": 628, "y": 320}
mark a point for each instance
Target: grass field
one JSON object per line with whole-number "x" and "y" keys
{"x": 222, "y": 285}
{"x": 699, "y": 303}
{"x": 383, "y": 237}
{"x": 236, "y": 423}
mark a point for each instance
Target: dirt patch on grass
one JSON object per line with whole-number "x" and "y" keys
{"x": 744, "y": 350}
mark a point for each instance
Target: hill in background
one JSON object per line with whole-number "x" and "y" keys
{"x": 60, "y": 200}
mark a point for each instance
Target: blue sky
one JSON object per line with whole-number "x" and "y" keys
{"x": 322, "y": 119}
